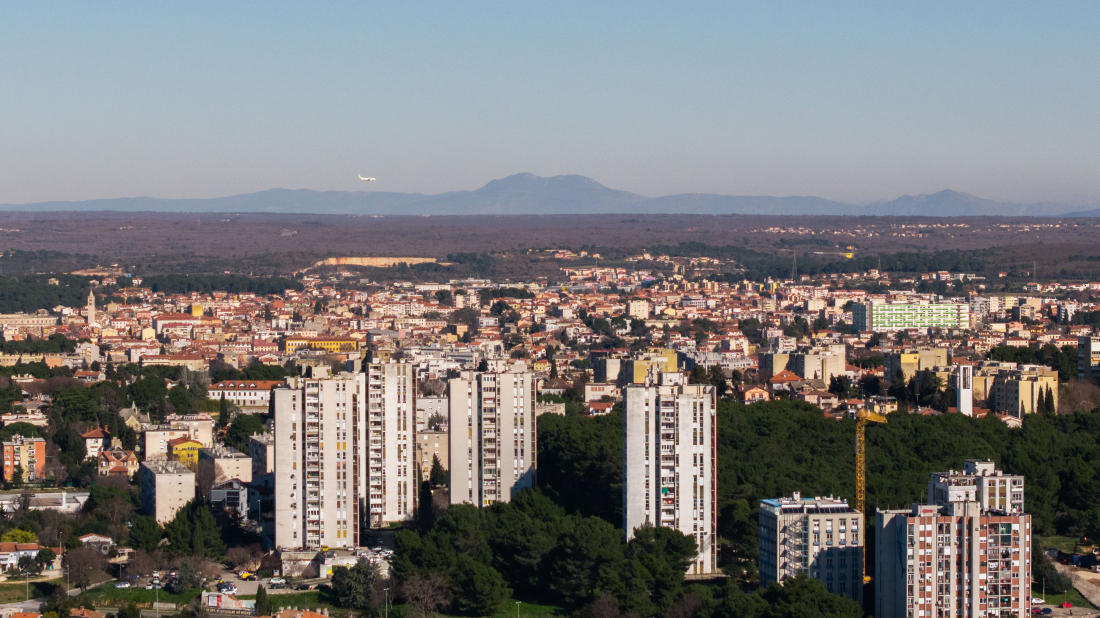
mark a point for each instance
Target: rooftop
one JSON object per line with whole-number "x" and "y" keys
{"x": 166, "y": 467}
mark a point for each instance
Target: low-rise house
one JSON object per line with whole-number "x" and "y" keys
{"x": 185, "y": 450}
{"x": 99, "y": 542}
{"x": 117, "y": 462}
{"x": 95, "y": 441}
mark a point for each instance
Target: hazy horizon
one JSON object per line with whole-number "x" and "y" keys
{"x": 849, "y": 102}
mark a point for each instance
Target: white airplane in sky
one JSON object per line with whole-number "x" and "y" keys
{"x": 365, "y": 179}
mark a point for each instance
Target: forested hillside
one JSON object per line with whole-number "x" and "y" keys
{"x": 771, "y": 449}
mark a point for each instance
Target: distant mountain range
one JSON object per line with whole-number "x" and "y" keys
{"x": 527, "y": 194}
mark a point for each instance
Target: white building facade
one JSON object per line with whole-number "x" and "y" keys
{"x": 320, "y": 462}
{"x": 668, "y": 462}
{"x": 492, "y": 436}
{"x": 391, "y": 442}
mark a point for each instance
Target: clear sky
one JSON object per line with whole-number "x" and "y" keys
{"x": 856, "y": 102}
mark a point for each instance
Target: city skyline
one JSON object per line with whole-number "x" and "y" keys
{"x": 846, "y": 102}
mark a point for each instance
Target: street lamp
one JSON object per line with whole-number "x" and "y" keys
{"x": 27, "y": 574}
{"x": 517, "y": 608}
{"x": 387, "y": 603}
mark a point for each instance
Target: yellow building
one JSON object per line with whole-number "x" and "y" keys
{"x": 1017, "y": 392}
{"x": 635, "y": 370}
{"x": 332, "y": 345}
{"x": 185, "y": 450}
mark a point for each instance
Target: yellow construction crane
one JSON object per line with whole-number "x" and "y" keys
{"x": 862, "y": 417}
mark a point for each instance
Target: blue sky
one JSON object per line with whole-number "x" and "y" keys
{"x": 849, "y": 101}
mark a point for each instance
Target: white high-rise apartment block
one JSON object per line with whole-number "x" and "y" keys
{"x": 320, "y": 462}
{"x": 668, "y": 461}
{"x": 964, "y": 390}
{"x": 492, "y": 441}
{"x": 391, "y": 442}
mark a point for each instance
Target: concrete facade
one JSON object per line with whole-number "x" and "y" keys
{"x": 492, "y": 436}
{"x": 822, "y": 537}
{"x": 166, "y": 486}
{"x": 320, "y": 462}
{"x": 668, "y": 462}
{"x": 391, "y": 442}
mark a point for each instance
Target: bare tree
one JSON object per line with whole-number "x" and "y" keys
{"x": 433, "y": 387}
{"x": 427, "y": 593}
{"x": 687, "y": 606}
{"x": 83, "y": 563}
{"x": 1076, "y": 396}
{"x": 605, "y": 606}
{"x": 140, "y": 563}
{"x": 238, "y": 557}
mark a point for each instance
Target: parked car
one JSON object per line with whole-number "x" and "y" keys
{"x": 277, "y": 580}
{"x": 307, "y": 587}
{"x": 1066, "y": 604}
{"x": 122, "y": 585}
{"x": 278, "y": 586}
{"x": 245, "y": 575}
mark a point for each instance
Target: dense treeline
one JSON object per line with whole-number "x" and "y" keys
{"x": 580, "y": 463}
{"x": 1064, "y": 359}
{"x": 33, "y": 262}
{"x": 54, "y": 344}
{"x": 533, "y": 547}
{"x": 771, "y": 449}
{"x": 205, "y": 284}
{"x": 30, "y": 293}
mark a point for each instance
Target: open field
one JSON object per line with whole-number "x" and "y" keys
{"x": 280, "y": 244}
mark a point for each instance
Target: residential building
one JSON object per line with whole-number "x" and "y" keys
{"x": 261, "y": 448}
{"x": 320, "y": 462}
{"x": 166, "y": 486}
{"x": 982, "y": 482}
{"x": 882, "y": 317}
{"x": 229, "y": 495}
{"x": 219, "y": 464}
{"x": 117, "y": 462}
{"x": 253, "y": 396}
{"x": 100, "y": 543}
{"x": 392, "y": 487}
{"x": 199, "y": 426}
{"x": 431, "y": 444}
{"x": 1021, "y": 391}
{"x": 29, "y": 454}
{"x": 492, "y": 436}
{"x": 820, "y": 536}
{"x": 668, "y": 461}
{"x": 954, "y": 557}
{"x": 185, "y": 450}
{"x": 155, "y": 439}
{"x": 331, "y": 345}
{"x": 638, "y": 308}
{"x": 1088, "y": 358}
{"x": 96, "y": 440}
{"x": 911, "y": 362}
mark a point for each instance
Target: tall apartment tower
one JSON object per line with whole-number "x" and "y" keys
{"x": 964, "y": 390}
{"x": 320, "y": 462}
{"x": 492, "y": 436}
{"x": 668, "y": 457}
{"x": 822, "y": 537}
{"x": 1088, "y": 358}
{"x": 969, "y": 554}
{"x": 391, "y": 442}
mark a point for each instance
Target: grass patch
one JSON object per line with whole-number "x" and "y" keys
{"x": 526, "y": 610}
{"x": 1063, "y": 543}
{"x": 12, "y": 593}
{"x": 111, "y": 596}
{"x": 1054, "y": 599}
{"x": 301, "y": 600}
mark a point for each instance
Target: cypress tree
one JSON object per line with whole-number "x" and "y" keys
{"x": 223, "y": 412}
